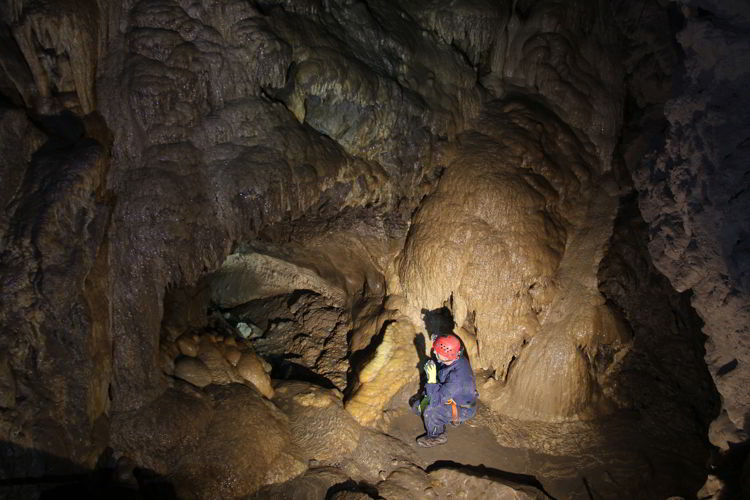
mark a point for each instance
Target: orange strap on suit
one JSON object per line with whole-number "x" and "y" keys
{"x": 454, "y": 411}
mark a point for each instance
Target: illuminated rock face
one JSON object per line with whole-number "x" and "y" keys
{"x": 513, "y": 240}
{"x": 391, "y": 368}
{"x": 330, "y": 170}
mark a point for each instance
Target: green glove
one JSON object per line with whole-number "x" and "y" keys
{"x": 423, "y": 404}
{"x": 431, "y": 370}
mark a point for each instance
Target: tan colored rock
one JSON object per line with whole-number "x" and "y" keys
{"x": 250, "y": 367}
{"x": 188, "y": 345}
{"x": 713, "y": 488}
{"x": 452, "y": 483}
{"x": 313, "y": 485}
{"x": 405, "y": 483}
{"x": 469, "y": 340}
{"x": 167, "y": 355}
{"x": 240, "y": 450}
{"x": 320, "y": 426}
{"x": 283, "y": 467}
{"x": 309, "y": 326}
{"x": 722, "y": 432}
{"x": 392, "y": 367}
{"x": 512, "y": 241}
{"x": 61, "y": 44}
{"x": 315, "y": 399}
{"x": 267, "y": 367}
{"x": 221, "y": 371}
{"x": 233, "y": 355}
{"x": 553, "y": 376}
{"x": 244, "y": 277}
{"x": 193, "y": 371}
{"x": 158, "y": 435}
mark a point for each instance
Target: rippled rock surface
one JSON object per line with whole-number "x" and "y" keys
{"x": 220, "y": 209}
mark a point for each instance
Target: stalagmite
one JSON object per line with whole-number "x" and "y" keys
{"x": 227, "y": 229}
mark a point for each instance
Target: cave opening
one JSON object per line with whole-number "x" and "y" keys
{"x": 232, "y": 230}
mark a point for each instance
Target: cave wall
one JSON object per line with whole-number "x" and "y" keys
{"x": 181, "y": 129}
{"x": 144, "y": 142}
{"x": 690, "y": 172}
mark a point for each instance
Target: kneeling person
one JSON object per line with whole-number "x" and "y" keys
{"x": 450, "y": 389}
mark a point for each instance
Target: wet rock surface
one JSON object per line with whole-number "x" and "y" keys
{"x": 224, "y": 222}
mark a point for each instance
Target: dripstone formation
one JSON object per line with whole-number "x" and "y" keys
{"x": 226, "y": 224}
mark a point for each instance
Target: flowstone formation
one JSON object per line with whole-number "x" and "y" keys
{"x": 227, "y": 224}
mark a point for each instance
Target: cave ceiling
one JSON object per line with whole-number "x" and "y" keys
{"x": 248, "y": 210}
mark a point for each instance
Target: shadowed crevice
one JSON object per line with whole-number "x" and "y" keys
{"x": 353, "y": 486}
{"x": 283, "y": 368}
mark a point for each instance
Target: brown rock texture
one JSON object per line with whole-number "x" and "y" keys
{"x": 693, "y": 190}
{"x": 243, "y": 441}
{"x": 158, "y": 435}
{"x": 568, "y": 180}
{"x": 320, "y": 427}
{"x": 454, "y": 482}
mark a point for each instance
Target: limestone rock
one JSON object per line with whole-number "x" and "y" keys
{"x": 158, "y": 435}
{"x": 304, "y": 328}
{"x": 314, "y": 484}
{"x": 249, "y": 330}
{"x": 692, "y": 186}
{"x": 334, "y": 90}
{"x": 378, "y": 453}
{"x": 221, "y": 371}
{"x": 188, "y": 345}
{"x": 507, "y": 43}
{"x": 713, "y": 488}
{"x": 285, "y": 465}
{"x": 193, "y": 371}
{"x": 246, "y": 277}
{"x": 405, "y": 482}
{"x": 216, "y": 124}
{"x": 233, "y": 355}
{"x": 458, "y": 482}
{"x": 723, "y": 432}
{"x": 250, "y": 367}
{"x": 502, "y": 201}
{"x": 19, "y": 139}
{"x": 394, "y": 363}
{"x": 55, "y": 309}
{"x": 7, "y": 384}
{"x": 216, "y": 129}
{"x": 61, "y": 45}
{"x": 319, "y": 425}
{"x": 240, "y": 446}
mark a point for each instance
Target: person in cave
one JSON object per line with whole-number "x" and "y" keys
{"x": 450, "y": 394}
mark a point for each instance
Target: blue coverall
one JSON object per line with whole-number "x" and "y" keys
{"x": 456, "y": 382}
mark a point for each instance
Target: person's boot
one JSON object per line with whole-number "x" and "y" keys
{"x": 428, "y": 442}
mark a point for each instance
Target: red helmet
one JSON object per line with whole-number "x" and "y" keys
{"x": 448, "y": 346}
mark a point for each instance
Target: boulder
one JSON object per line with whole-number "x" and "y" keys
{"x": 319, "y": 425}
{"x": 251, "y": 368}
{"x": 462, "y": 483}
{"x": 159, "y": 434}
{"x": 193, "y": 371}
{"x": 244, "y": 447}
{"x": 188, "y": 344}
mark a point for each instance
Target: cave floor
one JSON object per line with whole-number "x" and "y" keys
{"x": 625, "y": 465}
